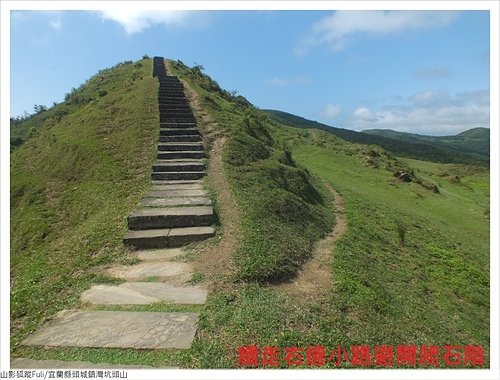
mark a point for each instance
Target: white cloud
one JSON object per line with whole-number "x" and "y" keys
{"x": 286, "y": 81}
{"x": 56, "y": 24}
{"x": 336, "y": 29}
{"x": 134, "y": 21}
{"x": 436, "y": 72}
{"x": 428, "y": 112}
{"x": 331, "y": 110}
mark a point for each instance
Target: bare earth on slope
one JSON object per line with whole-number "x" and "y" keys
{"x": 313, "y": 282}
{"x": 216, "y": 261}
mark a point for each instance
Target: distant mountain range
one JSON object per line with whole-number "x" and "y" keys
{"x": 469, "y": 147}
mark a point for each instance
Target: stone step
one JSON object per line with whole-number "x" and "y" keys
{"x": 180, "y": 146}
{"x": 180, "y": 186}
{"x": 152, "y": 218}
{"x": 176, "y": 112}
{"x": 177, "y": 166}
{"x": 175, "y": 107}
{"x": 171, "y": 100}
{"x": 175, "y": 125}
{"x": 161, "y": 271}
{"x": 180, "y": 154}
{"x": 116, "y": 329}
{"x": 180, "y": 138}
{"x": 154, "y": 255}
{"x": 177, "y": 175}
{"x": 143, "y": 293}
{"x": 177, "y": 120}
{"x": 175, "y": 201}
{"x": 183, "y": 182}
{"x": 186, "y": 131}
{"x": 176, "y": 193}
{"x": 167, "y": 237}
{"x": 26, "y": 363}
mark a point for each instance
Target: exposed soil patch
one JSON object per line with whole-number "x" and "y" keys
{"x": 314, "y": 279}
{"x": 216, "y": 261}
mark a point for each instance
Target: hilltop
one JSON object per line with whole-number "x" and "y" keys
{"x": 470, "y": 147}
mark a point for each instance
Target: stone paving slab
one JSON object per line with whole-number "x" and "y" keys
{"x": 181, "y": 186}
{"x": 163, "y": 271}
{"x": 175, "y": 201}
{"x": 143, "y": 293}
{"x": 175, "y": 193}
{"x": 177, "y": 182}
{"x": 26, "y": 363}
{"x": 158, "y": 254}
{"x": 119, "y": 329}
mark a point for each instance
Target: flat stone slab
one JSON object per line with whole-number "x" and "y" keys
{"x": 181, "y": 186}
{"x": 143, "y": 293}
{"x": 158, "y": 254}
{"x": 119, "y": 329}
{"x": 175, "y": 201}
{"x": 162, "y": 270}
{"x": 175, "y": 193}
{"x": 26, "y": 363}
{"x": 176, "y": 182}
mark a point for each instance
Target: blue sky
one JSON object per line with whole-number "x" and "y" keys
{"x": 413, "y": 71}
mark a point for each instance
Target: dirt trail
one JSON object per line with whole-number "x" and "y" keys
{"x": 216, "y": 261}
{"x": 314, "y": 279}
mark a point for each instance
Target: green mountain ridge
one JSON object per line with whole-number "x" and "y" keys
{"x": 451, "y": 150}
{"x": 474, "y": 141}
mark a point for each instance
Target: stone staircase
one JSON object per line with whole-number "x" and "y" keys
{"x": 177, "y": 210}
{"x": 174, "y": 212}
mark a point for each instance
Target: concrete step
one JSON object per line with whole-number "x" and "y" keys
{"x": 180, "y": 146}
{"x": 180, "y": 138}
{"x": 179, "y": 166}
{"x": 167, "y": 237}
{"x": 116, "y": 329}
{"x": 143, "y": 293}
{"x": 175, "y": 202}
{"x": 176, "y": 193}
{"x": 177, "y": 175}
{"x": 153, "y": 218}
{"x": 185, "y": 131}
{"x": 180, "y": 154}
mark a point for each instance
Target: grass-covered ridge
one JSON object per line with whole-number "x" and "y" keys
{"x": 73, "y": 182}
{"x": 470, "y": 147}
{"x": 284, "y": 210}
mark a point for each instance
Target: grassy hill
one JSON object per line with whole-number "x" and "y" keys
{"x": 73, "y": 182}
{"x": 407, "y": 270}
{"x": 474, "y": 141}
{"x": 446, "y": 150}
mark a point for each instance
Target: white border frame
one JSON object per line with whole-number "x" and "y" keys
{"x": 493, "y": 6}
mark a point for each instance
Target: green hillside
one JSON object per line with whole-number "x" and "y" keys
{"x": 451, "y": 150}
{"x": 73, "y": 182}
{"x": 474, "y": 141}
{"x": 407, "y": 271}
